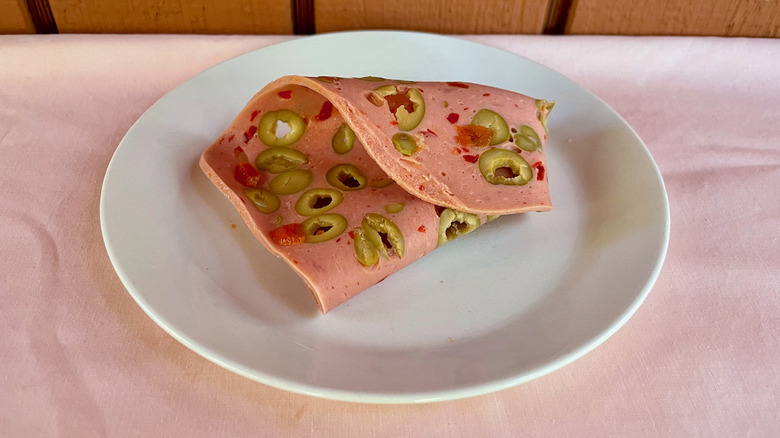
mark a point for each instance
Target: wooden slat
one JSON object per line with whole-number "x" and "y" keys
{"x": 754, "y": 18}
{"x": 173, "y": 16}
{"x": 14, "y": 17}
{"x": 443, "y": 16}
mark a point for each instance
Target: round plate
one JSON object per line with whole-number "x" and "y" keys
{"x": 483, "y": 313}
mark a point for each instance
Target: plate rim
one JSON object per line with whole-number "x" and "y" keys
{"x": 394, "y": 397}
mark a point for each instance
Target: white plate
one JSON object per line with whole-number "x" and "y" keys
{"x": 486, "y": 312}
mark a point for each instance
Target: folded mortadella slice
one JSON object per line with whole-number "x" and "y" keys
{"x": 464, "y": 146}
{"x": 307, "y": 170}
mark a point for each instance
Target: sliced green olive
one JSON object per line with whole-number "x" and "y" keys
{"x": 365, "y": 251}
{"x": 279, "y": 159}
{"x": 386, "y": 90}
{"x": 270, "y": 121}
{"x": 528, "y": 139}
{"x": 346, "y": 177}
{"x": 372, "y": 79}
{"x": 327, "y": 79}
{"x": 343, "y": 140}
{"x": 529, "y": 132}
{"x": 290, "y": 181}
{"x": 318, "y": 201}
{"x": 395, "y": 207}
{"x": 406, "y": 120}
{"x": 401, "y": 81}
{"x": 323, "y": 227}
{"x": 493, "y": 121}
{"x": 375, "y": 238}
{"x": 391, "y": 238}
{"x": 453, "y": 223}
{"x": 262, "y": 199}
{"x": 381, "y": 183}
{"x": 405, "y": 143}
{"x": 543, "y": 108}
{"x": 500, "y": 166}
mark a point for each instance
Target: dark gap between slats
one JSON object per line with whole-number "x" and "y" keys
{"x": 303, "y": 17}
{"x": 42, "y": 18}
{"x": 558, "y": 13}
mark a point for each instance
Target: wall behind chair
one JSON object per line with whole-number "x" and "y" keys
{"x": 753, "y": 18}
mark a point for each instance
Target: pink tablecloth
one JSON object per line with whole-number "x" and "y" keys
{"x": 701, "y": 357}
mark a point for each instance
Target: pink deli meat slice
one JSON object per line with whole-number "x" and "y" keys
{"x": 443, "y": 171}
{"x": 274, "y": 195}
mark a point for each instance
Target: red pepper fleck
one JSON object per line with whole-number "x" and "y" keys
{"x": 422, "y": 189}
{"x": 295, "y": 261}
{"x": 466, "y": 150}
{"x": 231, "y": 137}
{"x": 471, "y": 158}
{"x": 458, "y": 150}
{"x": 250, "y": 133}
{"x": 247, "y": 175}
{"x": 394, "y": 122}
{"x": 421, "y": 228}
{"x": 486, "y": 94}
{"x": 287, "y": 235}
{"x": 539, "y": 170}
{"x": 254, "y": 115}
{"x": 473, "y": 136}
{"x": 338, "y": 240}
{"x": 431, "y": 132}
{"x": 453, "y": 118}
{"x": 325, "y": 111}
{"x": 395, "y": 101}
{"x": 286, "y": 94}
{"x": 464, "y": 109}
{"x": 457, "y": 84}
{"x": 351, "y": 234}
{"x": 221, "y": 139}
